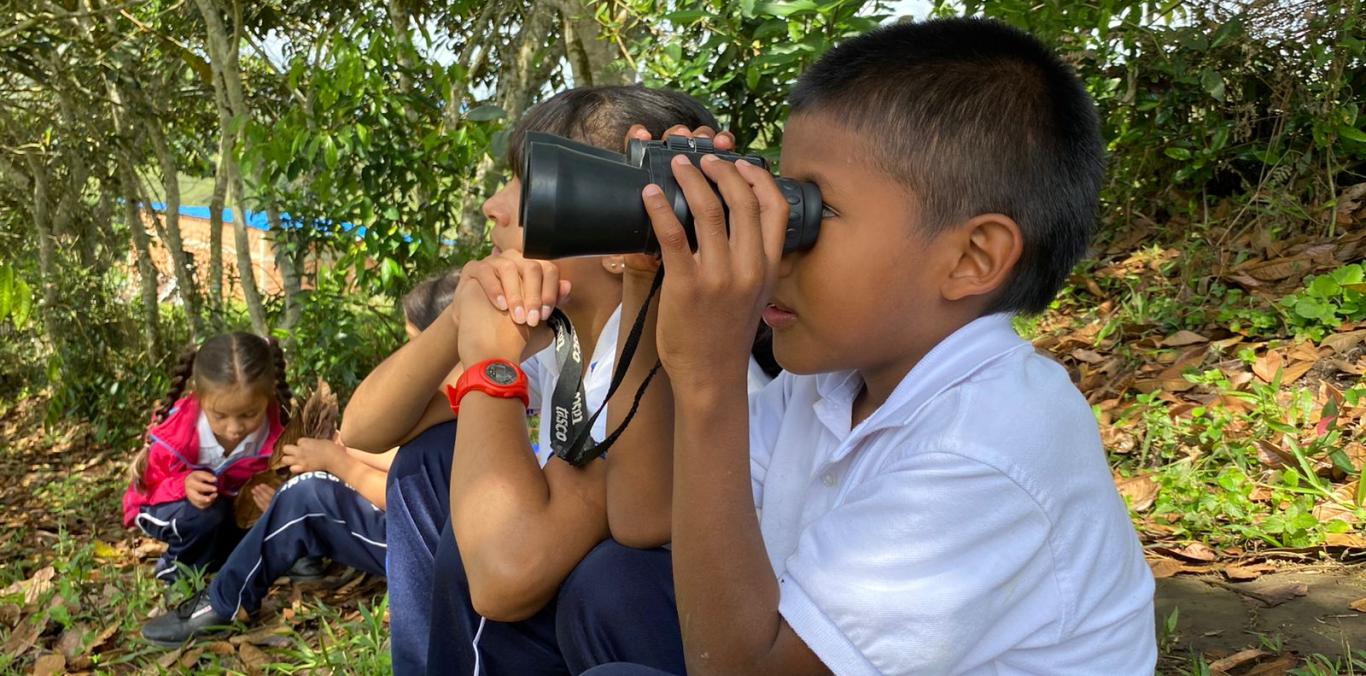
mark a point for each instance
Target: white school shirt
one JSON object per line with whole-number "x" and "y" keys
{"x": 543, "y": 370}
{"x": 970, "y": 525}
{"x": 213, "y": 454}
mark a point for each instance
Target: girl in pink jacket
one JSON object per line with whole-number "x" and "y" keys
{"x": 202, "y": 447}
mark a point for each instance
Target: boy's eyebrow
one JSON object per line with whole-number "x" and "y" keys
{"x": 815, "y": 176}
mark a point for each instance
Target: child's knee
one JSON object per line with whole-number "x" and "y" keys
{"x": 305, "y": 492}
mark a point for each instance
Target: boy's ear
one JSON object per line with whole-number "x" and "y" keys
{"x": 987, "y": 248}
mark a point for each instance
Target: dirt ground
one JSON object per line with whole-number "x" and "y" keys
{"x": 1304, "y": 610}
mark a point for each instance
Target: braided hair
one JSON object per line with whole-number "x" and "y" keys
{"x": 230, "y": 359}
{"x": 283, "y": 395}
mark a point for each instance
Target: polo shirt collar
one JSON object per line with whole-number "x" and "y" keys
{"x": 955, "y": 359}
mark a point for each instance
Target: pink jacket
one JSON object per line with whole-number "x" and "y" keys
{"x": 173, "y": 452}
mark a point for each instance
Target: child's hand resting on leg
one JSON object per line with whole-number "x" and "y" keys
{"x": 201, "y": 488}
{"x": 312, "y": 455}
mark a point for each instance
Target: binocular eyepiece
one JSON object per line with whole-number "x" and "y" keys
{"x": 581, "y": 200}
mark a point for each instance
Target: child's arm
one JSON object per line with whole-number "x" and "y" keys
{"x": 726, "y": 588}
{"x": 391, "y": 400}
{"x": 322, "y": 455}
{"x": 640, "y": 470}
{"x": 521, "y": 529}
{"x": 640, "y": 464}
{"x": 394, "y": 403}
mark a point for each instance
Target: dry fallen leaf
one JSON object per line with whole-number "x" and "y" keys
{"x": 23, "y": 637}
{"x": 1348, "y": 540}
{"x": 191, "y": 658}
{"x": 1088, "y": 356}
{"x": 33, "y": 587}
{"x": 1277, "y": 667}
{"x": 1342, "y": 342}
{"x": 69, "y": 644}
{"x": 1140, "y": 490}
{"x": 47, "y": 665}
{"x": 252, "y": 658}
{"x": 1198, "y": 551}
{"x": 1295, "y": 371}
{"x": 1268, "y": 365}
{"x": 1163, "y": 568}
{"x": 1246, "y": 573}
{"x": 268, "y": 636}
{"x": 1183, "y": 338}
{"x": 1237, "y": 659}
{"x": 221, "y": 648}
{"x": 170, "y": 658}
{"x": 1359, "y": 605}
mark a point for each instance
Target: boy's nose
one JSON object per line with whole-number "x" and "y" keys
{"x": 494, "y": 212}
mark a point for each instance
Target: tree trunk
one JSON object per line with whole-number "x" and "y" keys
{"x": 592, "y": 59}
{"x": 520, "y": 80}
{"x": 216, "y": 204}
{"x": 289, "y": 261}
{"x": 181, "y": 262}
{"x": 232, "y": 105}
{"x": 245, "y": 270}
{"x": 147, "y": 273}
{"x": 47, "y": 247}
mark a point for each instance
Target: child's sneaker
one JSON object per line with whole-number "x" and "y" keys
{"x": 194, "y": 617}
{"x": 307, "y": 569}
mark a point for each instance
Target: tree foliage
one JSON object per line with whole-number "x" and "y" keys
{"x": 370, "y": 133}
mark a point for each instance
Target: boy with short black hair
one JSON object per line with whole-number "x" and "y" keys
{"x": 932, "y": 495}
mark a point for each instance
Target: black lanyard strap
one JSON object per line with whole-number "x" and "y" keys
{"x": 571, "y": 434}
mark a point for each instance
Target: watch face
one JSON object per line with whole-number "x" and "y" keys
{"x": 501, "y": 373}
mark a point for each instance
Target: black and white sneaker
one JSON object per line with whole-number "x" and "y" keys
{"x": 194, "y": 617}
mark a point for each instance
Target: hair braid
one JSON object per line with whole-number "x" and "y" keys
{"x": 180, "y": 376}
{"x": 283, "y": 394}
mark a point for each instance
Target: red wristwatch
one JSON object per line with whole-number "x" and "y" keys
{"x": 496, "y": 377}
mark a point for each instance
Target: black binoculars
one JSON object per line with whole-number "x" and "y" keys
{"x": 581, "y": 200}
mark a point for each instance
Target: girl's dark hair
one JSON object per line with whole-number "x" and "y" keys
{"x": 602, "y": 115}
{"x": 429, "y": 299}
{"x": 230, "y": 359}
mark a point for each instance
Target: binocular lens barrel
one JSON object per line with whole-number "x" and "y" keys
{"x": 580, "y": 200}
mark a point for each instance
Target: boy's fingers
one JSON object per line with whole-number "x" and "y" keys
{"x": 511, "y": 280}
{"x": 773, "y": 208}
{"x": 745, "y": 237}
{"x": 487, "y": 279}
{"x": 673, "y": 241}
{"x": 550, "y": 288}
{"x": 724, "y": 141}
{"x": 708, "y": 215}
{"x": 637, "y": 132}
{"x": 677, "y": 130}
{"x": 531, "y": 284}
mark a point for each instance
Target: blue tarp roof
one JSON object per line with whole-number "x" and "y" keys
{"x": 255, "y": 219}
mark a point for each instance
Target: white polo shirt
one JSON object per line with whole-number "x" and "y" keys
{"x": 543, "y": 370}
{"x": 968, "y": 526}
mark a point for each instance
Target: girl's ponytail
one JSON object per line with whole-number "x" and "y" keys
{"x": 184, "y": 370}
{"x": 283, "y": 394}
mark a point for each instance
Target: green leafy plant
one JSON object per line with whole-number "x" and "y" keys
{"x": 1327, "y": 301}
